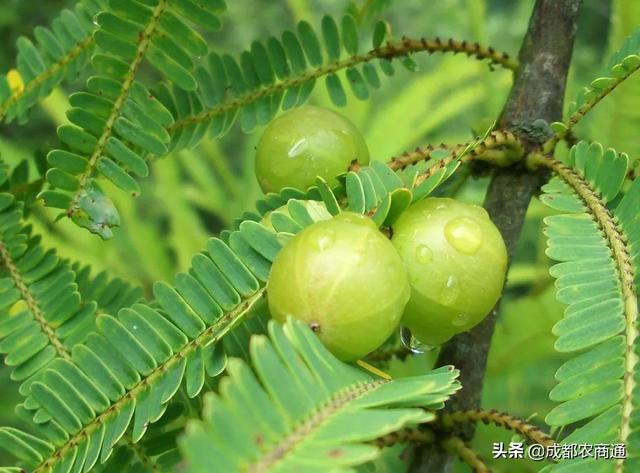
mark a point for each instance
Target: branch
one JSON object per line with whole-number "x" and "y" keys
{"x": 500, "y": 148}
{"x": 458, "y": 447}
{"x": 427, "y": 437}
{"x": 532, "y": 433}
{"x": 388, "y": 51}
{"x": 537, "y": 93}
{"x": 570, "y": 122}
{"x": 508, "y": 147}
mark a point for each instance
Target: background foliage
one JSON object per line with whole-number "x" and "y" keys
{"x": 199, "y": 192}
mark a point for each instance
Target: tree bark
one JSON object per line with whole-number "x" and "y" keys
{"x": 537, "y": 94}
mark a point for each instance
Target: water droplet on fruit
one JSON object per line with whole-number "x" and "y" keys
{"x": 412, "y": 343}
{"x": 424, "y": 254}
{"x": 464, "y": 234}
{"x": 450, "y": 292}
{"x": 441, "y": 206}
{"x": 460, "y": 320}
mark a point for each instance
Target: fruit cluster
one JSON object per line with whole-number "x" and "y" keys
{"x": 440, "y": 273}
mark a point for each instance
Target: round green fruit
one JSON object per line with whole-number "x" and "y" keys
{"x": 345, "y": 280}
{"x": 304, "y": 143}
{"x": 456, "y": 261}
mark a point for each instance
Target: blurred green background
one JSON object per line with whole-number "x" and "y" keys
{"x": 195, "y": 194}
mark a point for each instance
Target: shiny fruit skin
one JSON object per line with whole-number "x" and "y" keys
{"x": 304, "y": 143}
{"x": 456, "y": 260}
{"x": 345, "y": 280}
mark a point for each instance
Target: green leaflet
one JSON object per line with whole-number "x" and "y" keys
{"x": 117, "y": 121}
{"x": 60, "y": 53}
{"x": 336, "y": 91}
{"x": 594, "y": 277}
{"x": 350, "y": 35}
{"x": 302, "y": 409}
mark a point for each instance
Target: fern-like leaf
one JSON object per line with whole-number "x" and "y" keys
{"x": 303, "y": 410}
{"x": 596, "y": 239}
{"x": 622, "y": 64}
{"x": 61, "y": 52}
{"x": 45, "y": 314}
{"x": 41, "y": 312}
{"x": 282, "y": 72}
{"x": 117, "y": 121}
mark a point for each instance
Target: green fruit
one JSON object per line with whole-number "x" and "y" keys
{"x": 456, "y": 261}
{"x": 343, "y": 278}
{"x": 317, "y": 211}
{"x": 304, "y": 143}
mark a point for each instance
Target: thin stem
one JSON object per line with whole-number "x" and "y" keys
{"x": 529, "y": 431}
{"x": 388, "y": 51}
{"x": 456, "y": 446}
{"x": 508, "y": 149}
{"x": 586, "y": 107}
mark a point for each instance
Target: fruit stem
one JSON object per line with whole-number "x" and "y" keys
{"x": 372, "y": 369}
